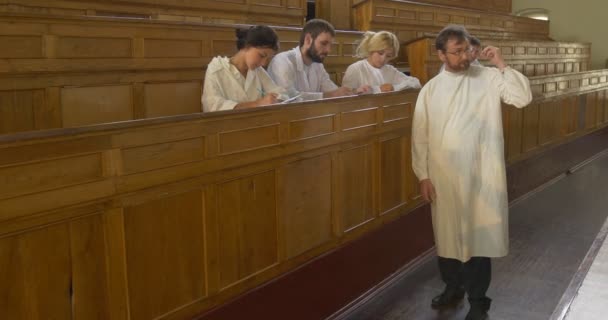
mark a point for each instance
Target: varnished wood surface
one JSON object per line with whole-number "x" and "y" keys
{"x": 168, "y": 218}
{"x": 532, "y": 58}
{"x": 503, "y": 6}
{"x": 71, "y": 71}
{"x": 565, "y": 107}
{"x": 379, "y": 258}
{"x": 550, "y": 234}
{"x": 410, "y": 20}
{"x": 284, "y": 12}
{"x": 338, "y": 12}
{"x": 196, "y": 182}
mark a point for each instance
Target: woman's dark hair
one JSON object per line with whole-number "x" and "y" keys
{"x": 459, "y": 33}
{"x": 257, "y": 36}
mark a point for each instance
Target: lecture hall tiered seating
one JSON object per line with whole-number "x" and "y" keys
{"x": 120, "y": 200}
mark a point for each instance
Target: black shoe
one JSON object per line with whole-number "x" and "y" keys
{"x": 449, "y": 298}
{"x": 479, "y": 309}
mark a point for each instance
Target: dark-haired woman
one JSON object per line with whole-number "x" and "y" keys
{"x": 240, "y": 81}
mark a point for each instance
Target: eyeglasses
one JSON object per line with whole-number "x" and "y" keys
{"x": 459, "y": 53}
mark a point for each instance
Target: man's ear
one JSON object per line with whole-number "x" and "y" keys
{"x": 307, "y": 40}
{"x": 441, "y": 56}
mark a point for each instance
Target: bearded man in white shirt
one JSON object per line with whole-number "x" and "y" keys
{"x": 458, "y": 157}
{"x": 301, "y": 70}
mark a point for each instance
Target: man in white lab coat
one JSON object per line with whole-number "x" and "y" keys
{"x": 458, "y": 157}
{"x": 301, "y": 70}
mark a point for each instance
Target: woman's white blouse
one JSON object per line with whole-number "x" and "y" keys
{"x": 225, "y": 86}
{"x": 362, "y": 73}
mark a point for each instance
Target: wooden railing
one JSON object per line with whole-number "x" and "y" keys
{"x": 564, "y": 107}
{"x": 170, "y": 217}
{"x": 532, "y": 58}
{"x": 409, "y": 20}
{"x": 73, "y": 71}
{"x": 503, "y": 6}
{"x": 283, "y": 12}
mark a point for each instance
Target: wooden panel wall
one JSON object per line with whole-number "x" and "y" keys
{"x": 338, "y": 12}
{"x": 273, "y": 12}
{"x": 409, "y": 20}
{"x": 164, "y": 219}
{"x": 67, "y": 72}
{"x": 532, "y": 58}
{"x": 565, "y": 106}
{"x": 503, "y": 6}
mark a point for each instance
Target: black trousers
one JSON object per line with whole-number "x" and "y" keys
{"x": 474, "y": 275}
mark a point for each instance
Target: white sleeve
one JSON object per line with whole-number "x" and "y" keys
{"x": 270, "y": 86}
{"x": 514, "y": 87}
{"x": 326, "y": 84}
{"x": 214, "y": 97}
{"x": 283, "y": 72}
{"x": 401, "y": 81}
{"x": 351, "y": 77}
{"x": 420, "y": 139}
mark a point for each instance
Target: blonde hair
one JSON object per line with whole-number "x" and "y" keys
{"x": 376, "y": 41}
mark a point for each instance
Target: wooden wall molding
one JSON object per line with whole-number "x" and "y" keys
{"x": 502, "y": 6}
{"x": 281, "y": 13}
{"x": 410, "y": 20}
{"x": 565, "y": 107}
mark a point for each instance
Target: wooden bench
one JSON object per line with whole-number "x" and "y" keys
{"x": 170, "y": 217}
{"x": 72, "y": 71}
{"x": 532, "y": 58}
{"x": 282, "y": 13}
{"x": 411, "y": 20}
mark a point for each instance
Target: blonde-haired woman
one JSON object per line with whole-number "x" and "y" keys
{"x": 377, "y": 49}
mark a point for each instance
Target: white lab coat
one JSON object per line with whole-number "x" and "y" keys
{"x": 363, "y": 73}
{"x": 287, "y": 69}
{"x": 225, "y": 86}
{"x": 457, "y": 142}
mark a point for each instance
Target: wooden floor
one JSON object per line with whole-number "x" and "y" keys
{"x": 551, "y": 232}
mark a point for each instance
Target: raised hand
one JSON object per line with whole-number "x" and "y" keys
{"x": 494, "y": 56}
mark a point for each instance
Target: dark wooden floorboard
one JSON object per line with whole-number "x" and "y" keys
{"x": 550, "y": 233}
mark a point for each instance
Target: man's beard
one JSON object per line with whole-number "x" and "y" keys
{"x": 462, "y": 66}
{"x": 313, "y": 54}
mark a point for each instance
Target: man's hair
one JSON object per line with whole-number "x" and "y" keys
{"x": 315, "y": 27}
{"x": 474, "y": 41}
{"x": 456, "y": 32}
